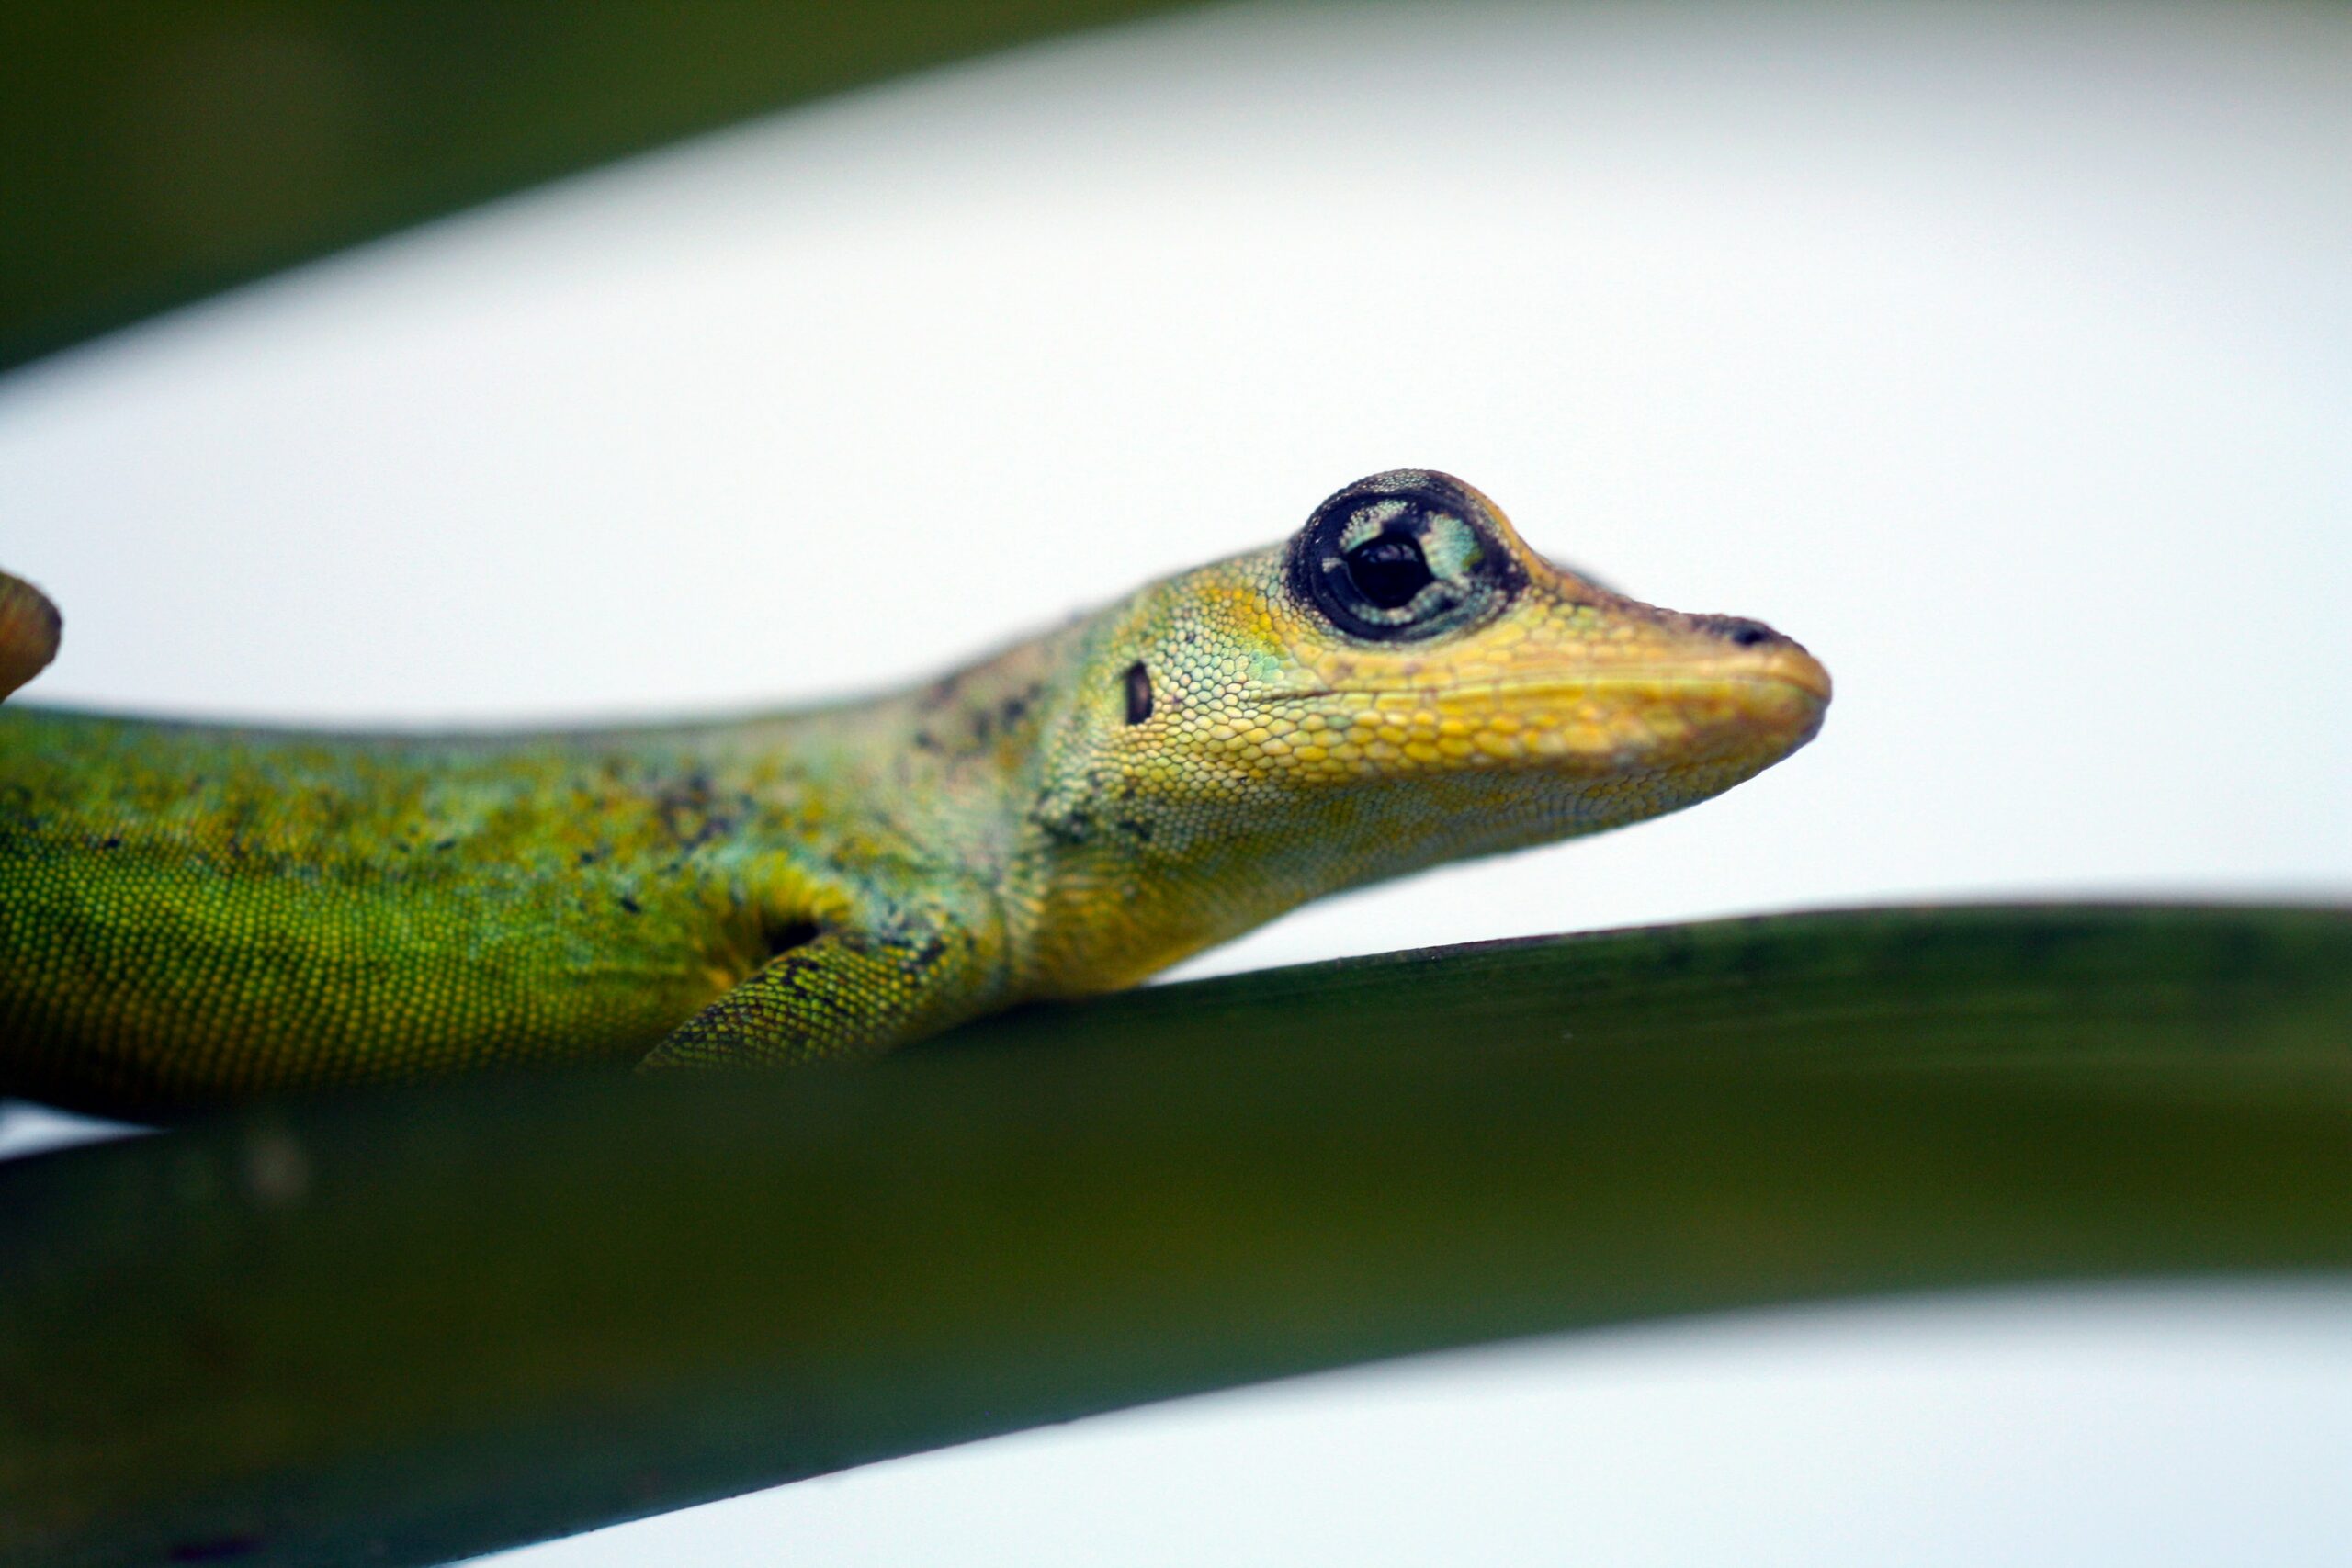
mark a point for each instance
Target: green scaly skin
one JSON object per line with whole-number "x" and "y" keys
{"x": 192, "y": 915}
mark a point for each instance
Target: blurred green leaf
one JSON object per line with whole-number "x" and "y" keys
{"x": 407, "y": 1329}
{"x": 153, "y": 153}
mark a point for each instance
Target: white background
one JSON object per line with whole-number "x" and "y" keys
{"x": 2001, "y": 355}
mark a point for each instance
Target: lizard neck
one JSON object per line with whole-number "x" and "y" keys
{"x": 927, "y": 783}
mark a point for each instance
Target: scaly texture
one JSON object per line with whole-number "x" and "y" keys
{"x": 190, "y": 915}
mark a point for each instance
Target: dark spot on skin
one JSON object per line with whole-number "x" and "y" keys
{"x": 111, "y": 844}
{"x": 1015, "y": 708}
{"x": 216, "y": 1549}
{"x": 691, "y": 813}
{"x": 924, "y": 741}
{"x": 1138, "y": 681}
{"x": 1068, "y": 827}
{"x": 631, "y": 905}
{"x": 1139, "y": 831}
{"x": 447, "y": 844}
{"x": 941, "y": 693}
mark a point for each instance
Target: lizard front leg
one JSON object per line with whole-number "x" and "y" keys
{"x": 906, "y": 971}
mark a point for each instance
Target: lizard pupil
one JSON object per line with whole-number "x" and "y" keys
{"x": 1389, "y": 571}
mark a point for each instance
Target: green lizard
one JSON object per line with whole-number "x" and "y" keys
{"x": 192, "y": 914}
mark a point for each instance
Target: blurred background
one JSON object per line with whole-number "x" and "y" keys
{"x": 2002, "y": 355}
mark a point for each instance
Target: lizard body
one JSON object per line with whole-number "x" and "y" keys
{"x": 194, "y": 914}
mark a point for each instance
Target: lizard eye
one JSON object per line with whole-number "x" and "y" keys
{"x": 1402, "y": 555}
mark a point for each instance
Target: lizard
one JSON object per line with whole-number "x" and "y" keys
{"x": 193, "y": 915}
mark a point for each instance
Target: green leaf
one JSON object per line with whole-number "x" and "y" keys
{"x": 155, "y": 154}
{"x": 411, "y": 1328}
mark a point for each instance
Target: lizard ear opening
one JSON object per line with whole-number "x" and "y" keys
{"x": 1138, "y": 684}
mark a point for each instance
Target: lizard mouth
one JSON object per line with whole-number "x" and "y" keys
{"x": 1771, "y": 690}
{"x": 1772, "y": 700}
{"x": 1783, "y": 670}
{"x": 1636, "y": 719}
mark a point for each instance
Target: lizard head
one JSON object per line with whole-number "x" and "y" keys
{"x": 1403, "y": 682}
